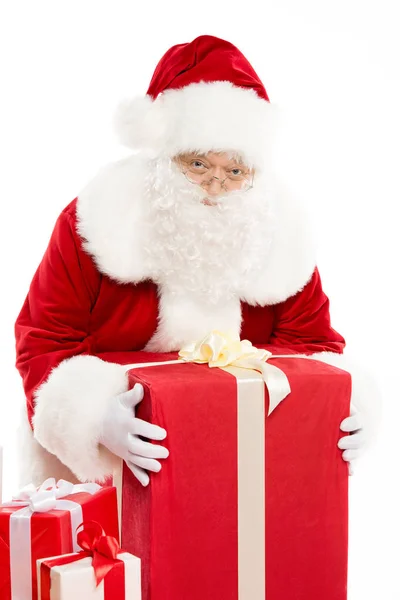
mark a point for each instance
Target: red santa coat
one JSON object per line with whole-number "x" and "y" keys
{"x": 79, "y": 324}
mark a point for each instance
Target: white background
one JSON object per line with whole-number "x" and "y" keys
{"x": 334, "y": 70}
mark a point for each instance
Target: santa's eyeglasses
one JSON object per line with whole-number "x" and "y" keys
{"x": 200, "y": 175}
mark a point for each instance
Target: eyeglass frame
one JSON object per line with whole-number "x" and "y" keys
{"x": 214, "y": 177}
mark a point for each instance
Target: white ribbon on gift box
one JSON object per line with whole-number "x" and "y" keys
{"x": 49, "y": 496}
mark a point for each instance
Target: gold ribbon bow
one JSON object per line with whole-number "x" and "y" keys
{"x": 223, "y": 349}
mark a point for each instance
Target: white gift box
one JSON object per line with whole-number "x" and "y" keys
{"x": 76, "y": 580}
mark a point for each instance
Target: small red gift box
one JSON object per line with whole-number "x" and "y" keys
{"x": 245, "y": 507}
{"x": 102, "y": 571}
{"x": 44, "y": 524}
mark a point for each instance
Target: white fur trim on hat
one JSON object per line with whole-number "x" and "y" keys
{"x": 70, "y": 409}
{"x": 201, "y": 116}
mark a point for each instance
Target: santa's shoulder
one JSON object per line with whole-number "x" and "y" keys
{"x": 109, "y": 217}
{"x": 109, "y": 190}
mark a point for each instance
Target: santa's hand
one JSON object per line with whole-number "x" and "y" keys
{"x": 121, "y": 430}
{"x": 353, "y": 445}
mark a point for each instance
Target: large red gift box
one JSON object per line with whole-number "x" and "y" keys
{"x": 245, "y": 507}
{"x": 27, "y": 536}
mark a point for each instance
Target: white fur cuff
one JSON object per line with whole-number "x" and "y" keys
{"x": 69, "y": 413}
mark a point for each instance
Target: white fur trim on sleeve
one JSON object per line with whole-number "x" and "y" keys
{"x": 70, "y": 408}
{"x": 366, "y": 395}
{"x": 35, "y": 463}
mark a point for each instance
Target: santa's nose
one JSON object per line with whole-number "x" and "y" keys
{"x": 214, "y": 186}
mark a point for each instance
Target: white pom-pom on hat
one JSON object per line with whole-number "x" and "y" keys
{"x": 140, "y": 123}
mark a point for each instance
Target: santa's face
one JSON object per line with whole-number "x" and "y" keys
{"x": 206, "y": 231}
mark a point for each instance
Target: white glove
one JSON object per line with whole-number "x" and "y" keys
{"x": 121, "y": 430}
{"x": 353, "y": 444}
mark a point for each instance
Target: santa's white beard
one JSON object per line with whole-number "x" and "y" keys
{"x": 205, "y": 251}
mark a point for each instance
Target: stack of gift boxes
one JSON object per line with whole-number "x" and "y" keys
{"x": 251, "y": 504}
{"x": 61, "y": 542}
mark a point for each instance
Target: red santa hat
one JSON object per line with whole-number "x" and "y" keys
{"x": 204, "y": 95}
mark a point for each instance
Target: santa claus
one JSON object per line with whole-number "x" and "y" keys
{"x": 191, "y": 233}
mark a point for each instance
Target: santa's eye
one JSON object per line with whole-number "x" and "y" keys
{"x": 197, "y": 164}
{"x": 236, "y": 172}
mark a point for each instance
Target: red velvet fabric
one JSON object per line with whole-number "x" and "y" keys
{"x": 206, "y": 58}
{"x": 71, "y": 308}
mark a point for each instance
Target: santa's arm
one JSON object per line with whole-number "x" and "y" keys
{"x": 302, "y": 324}
{"x": 67, "y": 388}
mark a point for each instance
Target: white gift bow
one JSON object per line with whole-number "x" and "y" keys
{"x": 49, "y": 496}
{"x": 45, "y": 497}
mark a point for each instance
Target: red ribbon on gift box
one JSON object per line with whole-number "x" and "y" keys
{"x": 103, "y": 549}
